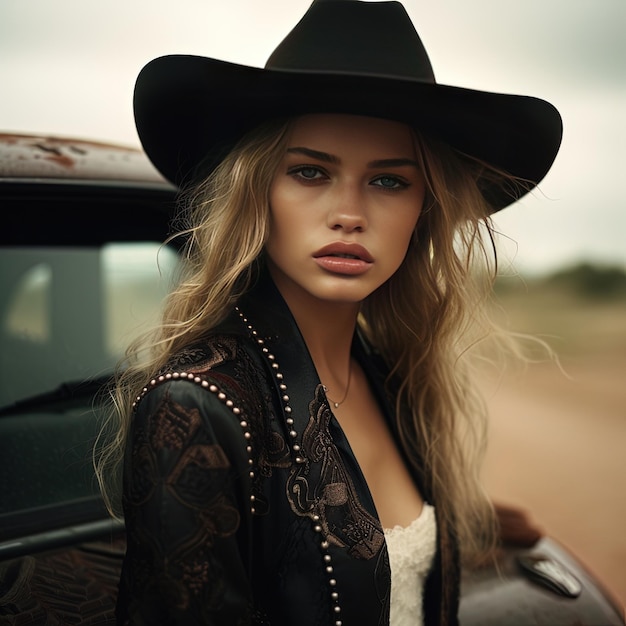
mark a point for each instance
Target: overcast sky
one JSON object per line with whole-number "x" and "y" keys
{"x": 69, "y": 67}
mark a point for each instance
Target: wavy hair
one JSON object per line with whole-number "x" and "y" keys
{"x": 221, "y": 230}
{"x": 425, "y": 320}
{"x": 432, "y": 323}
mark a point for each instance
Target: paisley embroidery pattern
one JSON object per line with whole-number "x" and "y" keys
{"x": 204, "y": 356}
{"x": 322, "y": 489}
{"x": 271, "y": 448}
{"x": 175, "y": 458}
{"x": 193, "y": 471}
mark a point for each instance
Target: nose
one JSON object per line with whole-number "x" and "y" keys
{"x": 347, "y": 210}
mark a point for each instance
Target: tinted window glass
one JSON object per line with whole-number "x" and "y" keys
{"x": 67, "y": 314}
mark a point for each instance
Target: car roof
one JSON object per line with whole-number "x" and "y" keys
{"x": 67, "y": 191}
{"x": 24, "y": 156}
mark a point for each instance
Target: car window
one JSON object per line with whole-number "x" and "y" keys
{"x": 67, "y": 314}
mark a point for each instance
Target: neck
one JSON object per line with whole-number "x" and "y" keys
{"x": 327, "y": 328}
{"x": 329, "y": 340}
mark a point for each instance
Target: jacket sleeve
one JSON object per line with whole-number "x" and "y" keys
{"x": 186, "y": 505}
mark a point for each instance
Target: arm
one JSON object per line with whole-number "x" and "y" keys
{"x": 186, "y": 502}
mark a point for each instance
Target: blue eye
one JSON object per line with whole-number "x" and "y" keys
{"x": 306, "y": 172}
{"x": 390, "y": 182}
{"x": 309, "y": 172}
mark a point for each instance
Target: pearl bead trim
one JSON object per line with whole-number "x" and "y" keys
{"x": 221, "y": 396}
{"x": 295, "y": 446}
{"x": 299, "y": 458}
{"x": 328, "y": 567}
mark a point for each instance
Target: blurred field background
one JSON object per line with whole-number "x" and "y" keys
{"x": 558, "y": 441}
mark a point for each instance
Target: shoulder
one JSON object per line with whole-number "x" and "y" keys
{"x": 213, "y": 380}
{"x": 211, "y": 351}
{"x": 180, "y": 412}
{"x": 222, "y": 361}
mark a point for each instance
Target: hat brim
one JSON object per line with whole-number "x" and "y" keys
{"x": 189, "y": 107}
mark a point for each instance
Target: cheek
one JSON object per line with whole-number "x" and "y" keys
{"x": 401, "y": 248}
{"x": 294, "y": 212}
{"x": 274, "y": 244}
{"x": 400, "y": 239}
{"x": 276, "y": 218}
{"x": 282, "y": 203}
{"x": 405, "y": 227}
{"x": 284, "y": 226}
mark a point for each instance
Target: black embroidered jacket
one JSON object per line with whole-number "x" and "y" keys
{"x": 243, "y": 501}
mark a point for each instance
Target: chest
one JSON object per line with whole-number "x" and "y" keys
{"x": 397, "y": 499}
{"x": 318, "y": 549}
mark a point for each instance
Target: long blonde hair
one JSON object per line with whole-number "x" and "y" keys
{"x": 424, "y": 320}
{"x": 432, "y": 323}
{"x": 221, "y": 228}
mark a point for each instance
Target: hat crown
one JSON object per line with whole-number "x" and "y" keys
{"x": 344, "y": 56}
{"x": 353, "y": 37}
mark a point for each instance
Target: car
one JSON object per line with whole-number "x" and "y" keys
{"x": 83, "y": 269}
{"x": 83, "y": 222}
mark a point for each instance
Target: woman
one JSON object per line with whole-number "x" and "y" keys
{"x": 301, "y": 437}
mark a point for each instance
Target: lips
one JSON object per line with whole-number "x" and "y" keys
{"x": 347, "y": 259}
{"x": 343, "y": 250}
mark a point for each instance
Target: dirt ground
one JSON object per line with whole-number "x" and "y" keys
{"x": 558, "y": 444}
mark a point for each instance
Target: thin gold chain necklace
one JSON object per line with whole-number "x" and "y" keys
{"x": 338, "y": 403}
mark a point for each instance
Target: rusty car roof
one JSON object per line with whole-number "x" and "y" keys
{"x": 60, "y": 191}
{"x": 31, "y": 156}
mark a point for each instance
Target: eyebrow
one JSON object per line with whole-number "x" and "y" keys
{"x": 393, "y": 163}
{"x": 331, "y": 158}
{"x": 314, "y": 154}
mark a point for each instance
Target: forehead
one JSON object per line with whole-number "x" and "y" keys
{"x": 356, "y": 133}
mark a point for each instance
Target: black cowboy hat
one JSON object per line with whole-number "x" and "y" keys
{"x": 344, "y": 56}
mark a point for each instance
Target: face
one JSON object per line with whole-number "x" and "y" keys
{"x": 344, "y": 203}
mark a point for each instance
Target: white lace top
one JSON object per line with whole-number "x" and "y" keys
{"x": 411, "y": 554}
